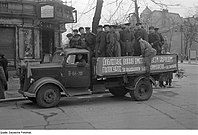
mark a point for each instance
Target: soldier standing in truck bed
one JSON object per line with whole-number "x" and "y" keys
{"x": 161, "y": 39}
{"x": 116, "y": 34}
{"x": 75, "y": 42}
{"x": 154, "y": 40}
{"x": 139, "y": 32}
{"x": 100, "y": 48}
{"x": 90, "y": 39}
{"x": 110, "y": 42}
{"x": 127, "y": 41}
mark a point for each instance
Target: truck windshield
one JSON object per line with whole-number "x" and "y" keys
{"x": 58, "y": 58}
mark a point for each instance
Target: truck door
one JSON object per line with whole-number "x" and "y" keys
{"x": 76, "y": 73}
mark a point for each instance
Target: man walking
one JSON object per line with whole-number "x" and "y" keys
{"x": 3, "y": 83}
{"x": 4, "y": 64}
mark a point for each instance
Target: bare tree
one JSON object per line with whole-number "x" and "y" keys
{"x": 97, "y": 15}
{"x": 190, "y": 31}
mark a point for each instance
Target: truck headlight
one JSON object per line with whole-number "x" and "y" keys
{"x": 32, "y": 80}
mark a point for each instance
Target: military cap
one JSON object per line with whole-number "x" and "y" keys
{"x": 75, "y": 30}
{"x": 80, "y": 28}
{"x": 69, "y": 35}
{"x": 151, "y": 28}
{"x": 113, "y": 26}
{"x": 100, "y": 26}
{"x": 106, "y": 26}
{"x": 138, "y": 23}
{"x": 156, "y": 28}
{"x": 87, "y": 28}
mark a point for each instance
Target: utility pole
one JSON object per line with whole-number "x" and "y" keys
{"x": 136, "y": 11}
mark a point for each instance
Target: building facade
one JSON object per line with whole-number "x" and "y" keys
{"x": 31, "y": 29}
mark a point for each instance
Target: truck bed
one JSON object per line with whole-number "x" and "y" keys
{"x": 111, "y": 66}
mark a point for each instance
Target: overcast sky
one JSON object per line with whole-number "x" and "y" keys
{"x": 86, "y": 9}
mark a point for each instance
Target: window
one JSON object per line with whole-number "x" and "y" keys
{"x": 71, "y": 59}
{"x": 76, "y": 58}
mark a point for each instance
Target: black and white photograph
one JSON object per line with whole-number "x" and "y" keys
{"x": 98, "y": 65}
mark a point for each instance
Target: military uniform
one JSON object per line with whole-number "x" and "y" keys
{"x": 76, "y": 41}
{"x": 154, "y": 40}
{"x": 139, "y": 33}
{"x": 117, "y": 46}
{"x": 127, "y": 40}
{"x": 148, "y": 53}
{"x": 111, "y": 41}
{"x": 161, "y": 41}
{"x": 90, "y": 39}
{"x": 100, "y": 47}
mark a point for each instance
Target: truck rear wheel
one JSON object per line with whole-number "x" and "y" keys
{"x": 118, "y": 92}
{"x": 48, "y": 96}
{"x": 143, "y": 91}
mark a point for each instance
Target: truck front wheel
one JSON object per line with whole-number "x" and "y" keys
{"x": 48, "y": 96}
{"x": 118, "y": 92}
{"x": 143, "y": 91}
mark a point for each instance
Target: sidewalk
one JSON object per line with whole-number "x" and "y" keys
{"x": 186, "y": 62}
{"x": 13, "y": 87}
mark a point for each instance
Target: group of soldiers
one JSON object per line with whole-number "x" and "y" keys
{"x": 114, "y": 40}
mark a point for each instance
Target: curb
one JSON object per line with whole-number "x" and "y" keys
{"x": 13, "y": 99}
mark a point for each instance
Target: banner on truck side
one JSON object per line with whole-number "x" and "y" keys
{"x": 134, "y": 64}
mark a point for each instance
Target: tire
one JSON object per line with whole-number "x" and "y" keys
{"x": 33, "y": 99}
{"x": 48, "y": 96}
{"x": 143, "y": 91}
{"x": 118, "y": 92}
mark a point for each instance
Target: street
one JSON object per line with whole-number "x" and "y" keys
{"x": 168, "y": 108}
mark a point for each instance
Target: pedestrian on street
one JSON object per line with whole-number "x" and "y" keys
{"x": 4, "y": 64}
{"x": 3, "y": 83}
{"x": 100, "y": 42}
{"x": 139, "y": 32}
{"x": 147, "y": 53}
{"x": 127, "y": 41}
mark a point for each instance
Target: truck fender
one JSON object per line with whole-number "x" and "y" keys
{"x": 46, "y": 80}
{"x": 137, "y": 80}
